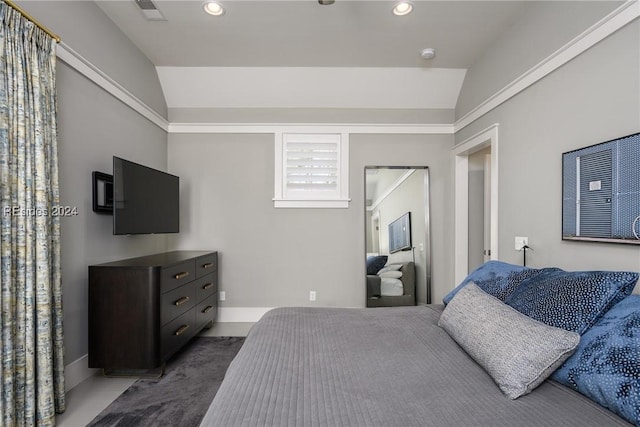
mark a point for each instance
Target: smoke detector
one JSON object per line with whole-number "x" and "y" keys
{"x": 428, "y": 53}
{"x": 150, "y": 10}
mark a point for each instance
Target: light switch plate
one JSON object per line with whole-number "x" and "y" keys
{"x": 520, "y": 242}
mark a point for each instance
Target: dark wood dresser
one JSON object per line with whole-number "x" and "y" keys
{"x": 143, "y": 310}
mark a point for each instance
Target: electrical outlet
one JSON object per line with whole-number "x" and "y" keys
{"x": 222, "y": 295}
{"x": 520, "y": 242}
{"x": 312, "y": 295}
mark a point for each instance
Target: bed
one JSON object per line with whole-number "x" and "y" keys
{"x": 405, "y": 289}
{"x": 377, "y": 367}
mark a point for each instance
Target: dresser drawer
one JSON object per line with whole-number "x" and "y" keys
{"x": 206, "y": 264}
{"x": 176, "y": 275}
{"x": 143, "y": 310}
{"x": 177, "y": 301}
{"x": 177, "y": 332}
{"x": 206, "y": 286}
{"x": 206, "y": 311}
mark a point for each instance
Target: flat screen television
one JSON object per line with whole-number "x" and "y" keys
{"x": 400, "y": 234}
{"x": 145, "y": 200}
{"x": 601, "y": 192}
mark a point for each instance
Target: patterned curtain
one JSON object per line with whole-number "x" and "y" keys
{"x": 31, "y": 340}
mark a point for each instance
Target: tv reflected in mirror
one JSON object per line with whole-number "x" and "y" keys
{"x": 400, "y": 234}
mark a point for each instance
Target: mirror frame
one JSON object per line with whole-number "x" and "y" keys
{"x": 427, "y": 224}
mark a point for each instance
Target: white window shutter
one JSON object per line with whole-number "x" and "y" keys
{"x": 313, "y": 170}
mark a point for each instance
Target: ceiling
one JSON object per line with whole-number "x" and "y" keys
{"x": 303, "y": 33}
{"x": 352, "y": 54}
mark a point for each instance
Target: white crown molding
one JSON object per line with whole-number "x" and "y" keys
{"x": 617, "y": 19}
{"x": 93, "y": 73}
{"x": 608, "y": 25}
{"x": 421, "y": 129}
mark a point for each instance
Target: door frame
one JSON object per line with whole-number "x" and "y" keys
{"x": 462, "y": 151}
{"x": 486, "y": 235}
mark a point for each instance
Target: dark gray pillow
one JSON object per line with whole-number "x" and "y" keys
{"x": 375, "y": 263}
{"x": 519, "y": 353}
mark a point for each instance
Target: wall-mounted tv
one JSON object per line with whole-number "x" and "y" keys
{"x": 145, "y": 200}
{"x": 400, "y": 234}
{"x": 601, "y": 192}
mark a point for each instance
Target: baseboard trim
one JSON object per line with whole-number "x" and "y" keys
{"x": 241, "y": 314}
{"x": 78, "y": 371}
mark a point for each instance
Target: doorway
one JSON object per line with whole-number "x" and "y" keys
{"x": 479, "y": 208}
{"x": 487, "y": 139}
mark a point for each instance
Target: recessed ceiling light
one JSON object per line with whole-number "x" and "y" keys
{"x": 213, "y": 8}
{"x": 402, "y": 8}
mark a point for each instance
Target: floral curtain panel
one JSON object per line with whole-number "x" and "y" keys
{"x": 31, "y": 339}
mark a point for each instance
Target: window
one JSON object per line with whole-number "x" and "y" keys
{"x": 311, "y": 170}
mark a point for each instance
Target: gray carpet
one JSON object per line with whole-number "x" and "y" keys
{"x": 181, "y": 397}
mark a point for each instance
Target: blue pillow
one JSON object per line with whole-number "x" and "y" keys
{"x": 606, "y": 364}
{"x": 571, "y": 300}
{"x": 496, "y": 278}
{"x": 375, "y": 263}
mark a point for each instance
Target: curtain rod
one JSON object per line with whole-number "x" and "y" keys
{"x": 32, "y": 19}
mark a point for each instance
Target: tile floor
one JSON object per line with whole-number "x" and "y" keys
{"x": 91, "y": 396}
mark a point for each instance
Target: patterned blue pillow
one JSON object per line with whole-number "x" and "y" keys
{"x": 571, "y": 300}
{"x": 606, "y": 364}
{"x": 496, "y": 278}
{"x": 375, "y": 263}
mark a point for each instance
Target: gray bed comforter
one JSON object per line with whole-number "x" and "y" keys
{"x": 376, "y": 367}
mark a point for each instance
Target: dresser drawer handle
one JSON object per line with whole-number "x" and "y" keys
{"x": 181, "y": 330}
{"x": 207, "y": 309}
{"x": 181, "y": 275}
{"x": 207, "y": 265}
{"x": 207, "y": 286}
{"x": 181, "y": 301}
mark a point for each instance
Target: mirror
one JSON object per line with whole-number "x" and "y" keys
{"x": 398, "y": 237}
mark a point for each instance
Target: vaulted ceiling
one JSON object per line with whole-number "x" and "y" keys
{"x": 343, "y": 55}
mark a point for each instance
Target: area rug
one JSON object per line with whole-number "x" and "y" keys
{"x": 181, "y": 397}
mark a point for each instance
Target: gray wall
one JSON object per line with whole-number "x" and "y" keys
{"x": 87, "y": 30}
{"x": 591, "y": 99}
{"x": 543, "y": 29}
{"x": 93, "y": 126}
{"x": 273, "y": 257}
{"x": 310, "y": 115}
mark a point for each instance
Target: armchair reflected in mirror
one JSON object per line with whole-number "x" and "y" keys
{"x": 398, "y": 247}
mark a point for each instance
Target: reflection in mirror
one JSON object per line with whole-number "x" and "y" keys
{"x": 398, "y": 249}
